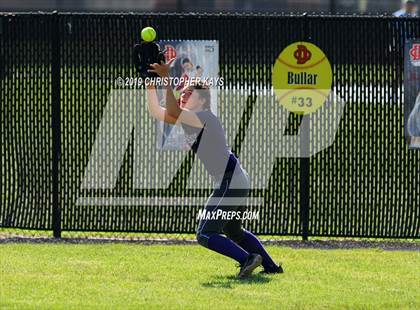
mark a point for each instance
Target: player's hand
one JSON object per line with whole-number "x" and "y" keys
{"x": 161, "y": 69}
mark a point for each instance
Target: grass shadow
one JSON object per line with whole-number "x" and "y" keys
{"x": 229, "y": 281}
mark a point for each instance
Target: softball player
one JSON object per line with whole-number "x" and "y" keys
{"x": 207, "y": 139}
{"x": 413, "y": 124}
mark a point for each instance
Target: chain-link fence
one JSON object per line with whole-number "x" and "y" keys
{"x": 58, "y": 72}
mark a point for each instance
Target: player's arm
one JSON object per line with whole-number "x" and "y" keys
{"x": 155, "y": 109}
{"x": 172, "y": 107}
{"x": 413, "y": 123}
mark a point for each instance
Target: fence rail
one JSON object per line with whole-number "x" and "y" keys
{"x": 57, "y": 71}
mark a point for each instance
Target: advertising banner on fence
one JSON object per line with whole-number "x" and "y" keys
{"x": 195, "y": 59}
{"x": 412, "y": 93}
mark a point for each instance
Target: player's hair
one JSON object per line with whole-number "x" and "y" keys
{"x": 414, "y": 119}
{"x": 204, "y": 94}
{"x": 185, "y": 60}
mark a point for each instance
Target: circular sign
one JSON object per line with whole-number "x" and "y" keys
{"x": 302, "y": 78}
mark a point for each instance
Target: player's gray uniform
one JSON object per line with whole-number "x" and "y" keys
{"x": 231, "y": 181}
{"x": 414, "y": 119}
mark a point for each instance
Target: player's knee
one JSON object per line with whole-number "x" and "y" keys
{"x": 202, "y": 239}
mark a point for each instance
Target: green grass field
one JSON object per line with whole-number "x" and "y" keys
{"x": 133, "y": 276}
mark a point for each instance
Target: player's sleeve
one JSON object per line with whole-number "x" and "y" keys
{"x": 207, "y": 118}
{"x": 414, "y": 120}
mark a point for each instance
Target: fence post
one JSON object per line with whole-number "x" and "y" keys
{"x": 304, "y": 176}
{"x": 55, "y": 123}
{"x": 304, "y": 155}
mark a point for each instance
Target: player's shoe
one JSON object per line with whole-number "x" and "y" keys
{"x": 278, "y": 269}
{"x": 252, "y": 262}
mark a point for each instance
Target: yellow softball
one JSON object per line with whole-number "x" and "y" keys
{"x": 148, "y": 34}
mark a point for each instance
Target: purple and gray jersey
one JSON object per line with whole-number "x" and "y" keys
{"x": 209, "y": 143}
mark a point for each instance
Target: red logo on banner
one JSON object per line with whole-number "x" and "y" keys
{"x": 415, "y": 52}
{"x": 170, "y": 52}
{"x": 302, "y": 54}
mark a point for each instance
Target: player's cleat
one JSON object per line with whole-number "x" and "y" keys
{"x": 278, "y": 269}
{"x": 252, "y": 262}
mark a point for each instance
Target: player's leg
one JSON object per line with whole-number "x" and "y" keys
{"x": 209, "y": 236}
{"x": 239, "y": 188}
{"x": 253, "y": 245}
{"x": 208, "y": 232}
{"x": 225, "y": 246}
{"x": 213, "y": 240}
{"x": 249, "y": 242}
